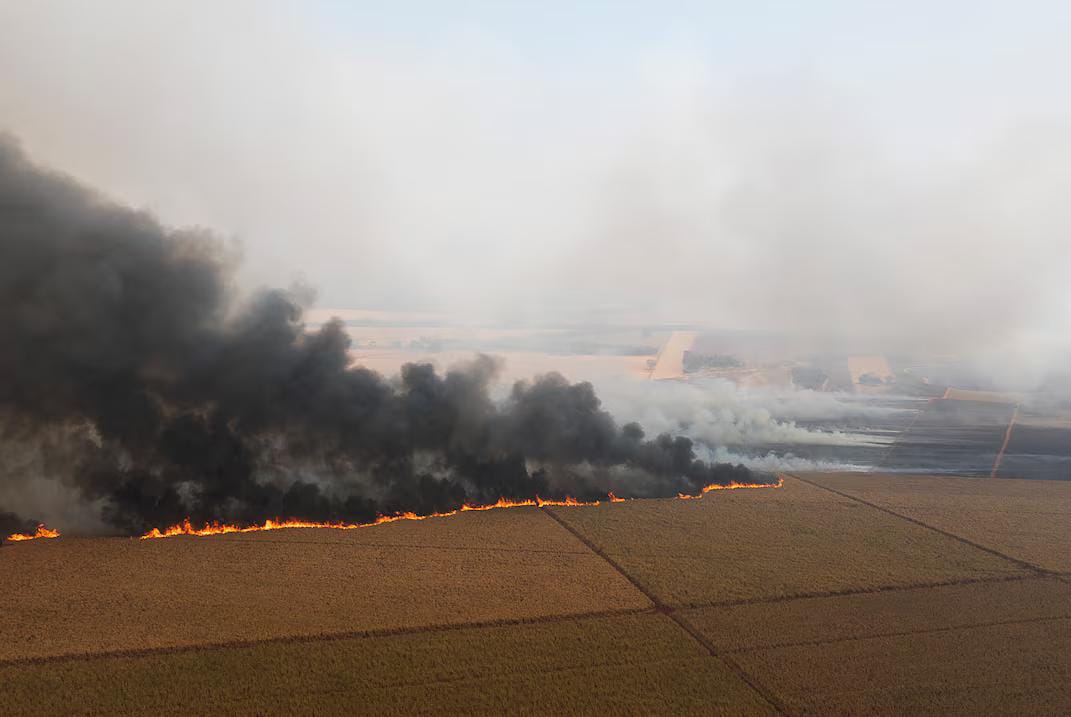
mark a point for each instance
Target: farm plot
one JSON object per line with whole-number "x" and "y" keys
{"x": 1037, "y": 452}
{"x": 99, "y": 595}
{"x": 952, "y": 436}
{"x": 997, "y": 647}
{"x": 759, "y": 544}
{"x": 1026, "y": 520}
{"x": 760, "y": 626}
{"x": 523, "y": 529}
{"x": 636, "y": 663}
{"x": 1011, "y": 668}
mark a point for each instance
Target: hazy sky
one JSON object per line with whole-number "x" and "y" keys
{"x": 893, "y": 169}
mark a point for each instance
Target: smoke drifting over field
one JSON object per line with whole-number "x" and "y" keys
{"x": 124, "y": 347}
{"x": 897, "y": 181}
{"x": 717, "y": 412}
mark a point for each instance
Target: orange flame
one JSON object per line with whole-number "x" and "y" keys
{"x": 186, "y": 528}
{"x": 731, "y": 486}
{"x": 42, "y": 532}
{"x": 734, "y": 485}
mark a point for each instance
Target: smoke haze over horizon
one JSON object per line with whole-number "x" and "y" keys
{"x": 889, "y": 181}
{"x": 846, "y": 175}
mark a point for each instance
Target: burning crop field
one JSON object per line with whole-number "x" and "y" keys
{"x": 534, "y": 358}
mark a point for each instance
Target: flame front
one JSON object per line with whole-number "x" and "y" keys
{"x": 42, "y": 532}
{"x": 186, "y": 528}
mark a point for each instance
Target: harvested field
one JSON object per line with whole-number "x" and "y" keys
{"x": 1027, "y": 520}
{"x": 670, "y": 362}
{"x": 634, "y": 663}
{"x": 874, "y": 366}
{"x": 747, "y": 545}
{"x": 99, "y": 595}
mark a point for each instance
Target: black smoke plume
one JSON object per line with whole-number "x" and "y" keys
{"x": 123, "y": 337}
{"x": 10, "y": 523}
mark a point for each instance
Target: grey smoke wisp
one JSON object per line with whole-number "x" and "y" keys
{"x": 169, "y": 397}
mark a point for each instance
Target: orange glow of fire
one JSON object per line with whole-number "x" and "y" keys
{"x": 731, "y": 486}
{"x": 42, "y": 532}
{"x": 186, "y": 528}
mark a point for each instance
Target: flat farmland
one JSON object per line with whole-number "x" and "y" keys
{"x": 99, "y": 595}
{"x": 769, "y": 543}
{"x": 957, "y": 437}
{"x": 998, "y": 669}
{"x": 634, "y": 663}
{"x": 827, "y": 619}
{"x": 1038, "y": 450}
{"x": 1028, "y": 520}
{"x": 798, "y": 600}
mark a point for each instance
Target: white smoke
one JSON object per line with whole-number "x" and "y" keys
{"x": 720, "y": 413}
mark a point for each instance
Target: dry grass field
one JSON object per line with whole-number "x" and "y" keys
{"x": 999, "y": 669}
{"x": 966, "y": 649}
{"x": 623, "y": 661}
{"x": 835, "y": 594}
{"x": 799, "y": 540}
{"x": 120, "y": 594}
{"x": 1025, "y": 519}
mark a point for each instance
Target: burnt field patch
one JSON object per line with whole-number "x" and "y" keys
{"x": 951, "y": 436}
{"x": 1037, "y": 452}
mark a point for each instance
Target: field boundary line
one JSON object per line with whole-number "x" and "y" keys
{"x": 900, "y": 633}
{"x": 849, "y": 592}
{"x": 676, "y": 617}
{"x": 1021, "y": 563}
{"x": 320, "y": 637}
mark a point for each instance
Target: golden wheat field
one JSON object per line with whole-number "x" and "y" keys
{"x": 800, "y": 540}
{"x": 1029, "y": 520}
{"x": 830, "y": 595}
{"x": 576, "y": 664}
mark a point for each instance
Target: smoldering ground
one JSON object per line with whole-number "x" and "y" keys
{"x": 132, "y": 372}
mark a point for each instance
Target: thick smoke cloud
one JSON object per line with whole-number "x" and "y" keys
{"x": 173, "y": 400}
{"x": 10, "y": 523}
